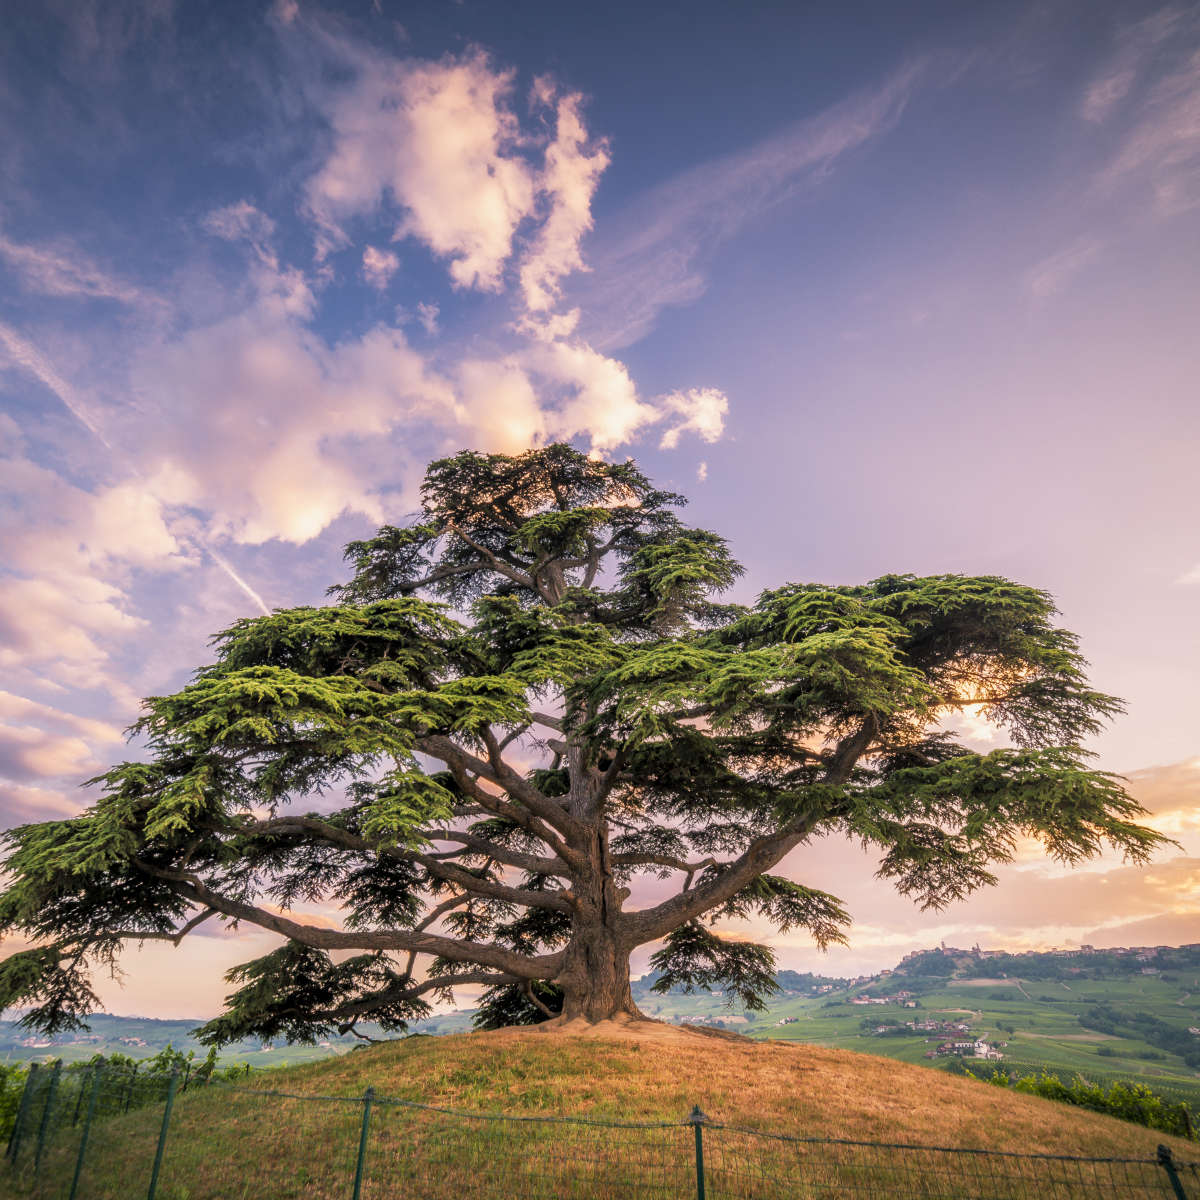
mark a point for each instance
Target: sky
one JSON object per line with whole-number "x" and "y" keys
{"x": 881, "y": 288}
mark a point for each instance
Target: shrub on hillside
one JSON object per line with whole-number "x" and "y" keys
{"x": 1129, "y": 1101}
{"x": 13, "y": 1076}
{"x": 12, "y": 1083}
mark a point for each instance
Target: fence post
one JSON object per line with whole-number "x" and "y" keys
{"x": 79, "y": 1100}
{"x": 697, "y": 1120}
{"x": 162, "y": 1133}
{"x": 129, "y": 1089}
{"x": 1168, "y": 1164}
{"x": 87, "y": 1128}
{"x": 44, "y": 1125}
{"x": 18, "y": 1129}
{"x": 368, "y": 1097}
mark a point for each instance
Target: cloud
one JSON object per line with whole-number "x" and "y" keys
{"x": 1136, "y": 45}
{"x": 654, "y": 254}
{"x": 569, "y": 179}
{"x": 60, "y": 269}
{"x": 27, "y": 753}
{"x": 702, "y": 411}
{"x": 240, "y": 221}
{"x": 1054, "y": 272}
{"x": 67, "y": 551}
{"x": 440, "y": 147}
{"x": 14, "y": 708}
{"x": 285, "y": 11}
{"x": 22, "y": 804}
{"x": 438, "y": 140}
{"x": 378, "y": 266}
{"x": 599, "y": 398}
{"x": 427, "y": 315}
{"x": 39, "y": 742}
{"x": 1172, "y": 796}
{"x": 1103, "y": 94}
{"x": 250, "y": 417}
{"x": 265, "y": 418}
{"x": 1159, "y": 150}
{"x": 18, "y": 353}
{"x": 498, "y": 406}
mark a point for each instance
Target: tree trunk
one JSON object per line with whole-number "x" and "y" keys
{"x": 595, "y": 976}
{"x": 595, "y": 980}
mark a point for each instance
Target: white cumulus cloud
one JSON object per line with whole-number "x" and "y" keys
{"x": 574, "y": 164}
{"x": 378, "y": 266}
{"x": 701, "y": 411}
{"x": 440, "y": 140}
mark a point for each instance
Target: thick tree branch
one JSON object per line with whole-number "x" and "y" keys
{"x": 552, "y": 901}
{"x": 760, "y": 856}
{"x": 508, "y": 570}
{"x": 190, "y": 887}
{"x": 174, "y": 938}
{"x": 495, "y": 770}
{"x": 534, "y": 999}
{"x": 510, "y": 858}
{"x": 663, "y": 860}
{"x": 432, "y": 863}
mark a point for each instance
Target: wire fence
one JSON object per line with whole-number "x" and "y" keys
{"x": 105, "y": 1134}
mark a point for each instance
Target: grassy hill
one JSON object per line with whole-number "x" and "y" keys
{"x": 301, "y": 1140}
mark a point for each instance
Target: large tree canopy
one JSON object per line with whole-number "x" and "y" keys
{"x": 522, "y": 703}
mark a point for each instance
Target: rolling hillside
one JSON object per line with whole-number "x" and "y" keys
{"x": 1104, "y": 1015}
{"x": 300, "y": 1138}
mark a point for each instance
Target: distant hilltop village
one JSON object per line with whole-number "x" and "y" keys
{"x": 1141, "y": 954}
{"x": 1145, "y": 953}
{"x": 955, "y": 961}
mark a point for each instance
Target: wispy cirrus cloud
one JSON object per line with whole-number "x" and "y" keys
{"x": 654, "y": 254}
{"x": 1153, "y": 86}
{"x": 1135, "y": 47}
{"x": 1056, "y": 270}
{"x": 61, "y": 269}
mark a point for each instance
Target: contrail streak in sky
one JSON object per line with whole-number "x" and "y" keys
{"x": 266, "y": 612}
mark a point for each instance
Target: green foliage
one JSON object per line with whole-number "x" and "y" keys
{"x": 299, "y": 994}
{"x": 12, "y": 1084}
{"x": 942, "y": 825}
{"x": 695, "y": 958}
{"x": 408, "y": 801}
{"x": 1145, "y": 1027}
{"x": 787, "y": 905}
{"x": 1133, "y": 1102}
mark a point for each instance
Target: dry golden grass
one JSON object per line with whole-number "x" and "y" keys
{"x": 779, "y": 1087}
{"x": 231, "y": 1144}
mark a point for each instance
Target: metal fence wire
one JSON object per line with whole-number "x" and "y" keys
{"x": 99, "y": 1133}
